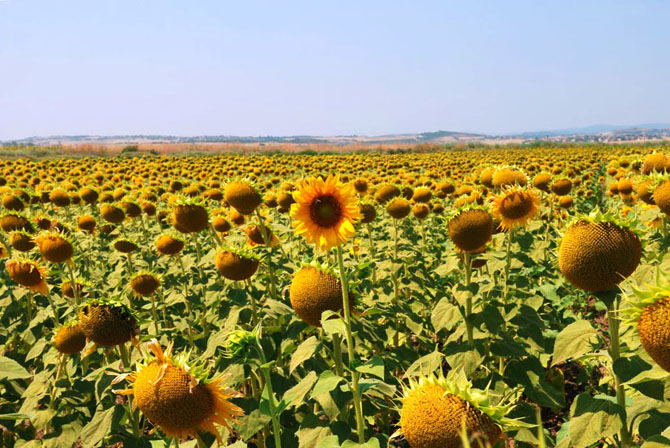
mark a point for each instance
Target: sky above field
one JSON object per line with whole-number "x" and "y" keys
{"x": 329, "y": 68}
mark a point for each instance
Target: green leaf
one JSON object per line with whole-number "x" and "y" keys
{"x": 334, "y": 326}
{"x": 313, "y": 437}
{"x": 295, "y": 395}
{"x": 629, "y": 368}
{"x": 445, "y": 315}
{"x": 327, "y": 382}
{"x": 328, "y": 442}
{"x": 15, "y": 416}
{"x": 594, "y": 418}
{"x": 375, "y": 366}
{"x": 574, "y": 341}
{"x": 304, "y": 352}
{"x": 424, "y": 365}
{"x": 12, "y": 370}
{"x": 98, "y": 428}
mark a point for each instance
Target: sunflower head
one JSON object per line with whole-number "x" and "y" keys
{"x": 507, "y": 176}
{"x": 314, "y": 289}
{"x": 144, "y": 283}
{"x": 124, "y": 245}
{"x": 55, "y": 247}
{"x": 470, "y": 227}
{"x": 167, "y": 244}
{"x": 515, "y": 206}
{"x": 112, "y": 213}
{"x": 599, "y": 251}
{"x": 649, "y": 312}
{"x": 436, "y": 410}
{"x": 398, "y": 208}
{"x": 243, "y": 195}
{"x": 69, "y": 339}
{"x": 368, "y": 212}
{"x": 107, "y": 322}
{"x": 10, "y": 222}
{"x": 325, "y": 211}
{"x": 221, "y": 224}
{"x": 28, "y": 274}
{"x": 21, "y": 241}
{"x": 179, "y": 397}
{"x": 236, "y": 264}
{"x": 86, "y": 223}
{"x": 189, "y": 215}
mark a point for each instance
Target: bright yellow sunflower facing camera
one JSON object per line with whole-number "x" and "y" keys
{"x": 325, "y": 211}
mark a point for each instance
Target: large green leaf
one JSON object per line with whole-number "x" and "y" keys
{"x": 12, "y": 370}
{"x": 593, "y": 419}
{"x": 575, "y": 340}
{"x": 304, "y": 351}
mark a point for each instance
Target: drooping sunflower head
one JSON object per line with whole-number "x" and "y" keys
{"x": 168, "y": 244}
{"x": 54, "y": 246}
{"x": 398, "y": 208}
{"x": 599, "y": 251}
{"x": 243, "y": 195}
{"x": 124, "y": 245}
{"x": 69, "y": 339}
{"x": 649, "y": 311}
{"x": 82, "y": 288}
{"x": 179, "y": 398}
{"x": 542, "y": 181}
{"x": 325, "y": 211}
{"x": 10, "y": 222}
{"x": 86, "y": 223}
{"x": 436, "y": 410}
{"x": 508, "y": 176}
{"x": 22, "y": 241}
{"x": 144, "y": 283}
{"x": 515, "y": 206}
{"x": 470, "y": 227}
{"x": 107, "y": 322}
{"x": 315, "y": 289}
{"x": 112, "y": 213}
{"x": 236, "y": 264}
{"x": 255, "y": 235}
{"x": 189, "y": 215}
{"x": 28, "y": 274}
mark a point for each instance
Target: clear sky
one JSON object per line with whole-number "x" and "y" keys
{"x": 195, "y": 67}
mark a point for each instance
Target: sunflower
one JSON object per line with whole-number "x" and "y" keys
{"x": 436, "y": 410}
{"x": 515, "y": 207}
{"x": 179, "y": 398}
{"x": 325, "y": 211}
{"x": 28, "y": 274}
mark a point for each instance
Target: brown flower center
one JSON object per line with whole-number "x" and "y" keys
{"x": 325, "y": 211}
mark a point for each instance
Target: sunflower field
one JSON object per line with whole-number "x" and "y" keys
{"x": 502, "y": 297}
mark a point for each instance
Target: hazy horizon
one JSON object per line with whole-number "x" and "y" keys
{"x": 209, "y": 68}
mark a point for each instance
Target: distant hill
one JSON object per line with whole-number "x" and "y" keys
{"x": 597, "y": 133}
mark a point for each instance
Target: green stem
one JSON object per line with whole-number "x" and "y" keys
{"x": 254, "y": 306}
{"x": 358, "y": 405}
{"x": 189, "y": 311}
{"x": 372, "y": 252}
{"x": 615, "y": 354}
{"x": 266, "y": 239}
{"x": 53, "y": 306}
{"x": 125, "y": 358}
{"x": 467, "y": 258}
{"x": 339, "y": 369}
{"x": 73, "y": 282}
{"x": 276, "y": 429}
{"x": 29, "y": 307}
{"x": 154, "y": 312}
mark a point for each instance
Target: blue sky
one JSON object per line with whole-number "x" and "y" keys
{"x": 341, "y": 67}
